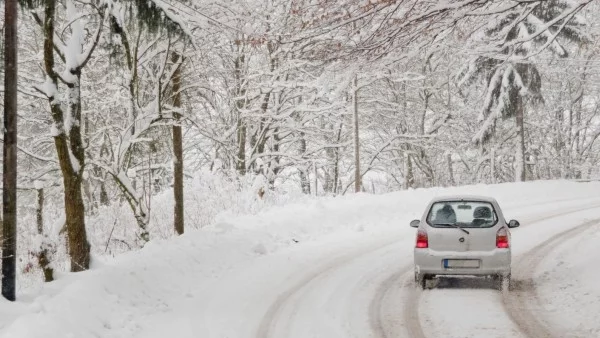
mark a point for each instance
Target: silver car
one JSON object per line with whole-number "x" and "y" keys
{"x": 462, "y": 236}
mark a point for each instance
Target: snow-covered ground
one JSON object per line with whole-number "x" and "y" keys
{"x": 328, "y": 267}
{"x": 568, "y": 293}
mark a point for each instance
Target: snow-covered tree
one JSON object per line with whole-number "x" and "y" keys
{"x": 513, "y": 38}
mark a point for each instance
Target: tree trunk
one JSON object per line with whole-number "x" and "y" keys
{"x": 241, "y": 141}
{"x": 79, "y": 248}
{"x": 43, "y": 259}
{"x": 451, "y": 180}
{"x": 104, "y": 200}
{"x": 137, "y": 204}
{"x": 331, "y": 170}
{"x": 177, "y": 150}
{"x": 131, "y": 58}
{"x": 336, "y": 163}
{"x": 275, "y": 163}
{"x": 420, "y": 160}
{"x": 261, "y": 136}
{"x": 304, "y": 181}
{"x": 408, "y": 171}
{"x": 78, "y": 244}
{"x": 520, "y": 156}
{"x": 492, "y": 166}
{"x": 9, "y": 177}
{"x": 357, "y": 176}
{"x": 241, "y": 124}
{"x": 316, "y": 173}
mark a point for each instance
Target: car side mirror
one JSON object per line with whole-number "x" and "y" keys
{"x": 513, "y": 223}
{"x": 415, "y": 223}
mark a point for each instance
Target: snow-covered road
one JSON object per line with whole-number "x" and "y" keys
{"x": 371, "y": 293}
{"x": 334, "y": 268}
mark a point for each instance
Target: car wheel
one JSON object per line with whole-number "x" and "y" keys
{"x": 421, "y": 281}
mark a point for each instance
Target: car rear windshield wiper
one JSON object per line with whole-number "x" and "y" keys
{"x": 453, "y": 225}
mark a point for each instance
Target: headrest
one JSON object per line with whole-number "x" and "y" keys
{"x": 482, "y": 212}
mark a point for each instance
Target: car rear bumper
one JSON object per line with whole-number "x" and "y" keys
{"x": 431, "y": 262}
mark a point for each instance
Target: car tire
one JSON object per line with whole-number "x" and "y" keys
{"x": 421, "y": 281}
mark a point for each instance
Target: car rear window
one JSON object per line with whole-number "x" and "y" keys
{"x": 466, "y": 214}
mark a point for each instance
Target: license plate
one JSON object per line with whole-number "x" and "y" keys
{"x": 461, "y": 263}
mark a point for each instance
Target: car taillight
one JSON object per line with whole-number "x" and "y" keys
{"x": 502, "y": 238}
{"x": 422, "y": 240}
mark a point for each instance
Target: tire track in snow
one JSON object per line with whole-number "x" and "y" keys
{"x": 396, "y": 289}
{"x": 522, "y": 304}
{"x": 273, "y": 317}
{"x": 375, "y": 309}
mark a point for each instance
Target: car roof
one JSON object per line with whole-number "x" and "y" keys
{"x": 464, "y": 197}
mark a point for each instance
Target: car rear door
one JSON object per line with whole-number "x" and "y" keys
{"x": 453, "y": 239}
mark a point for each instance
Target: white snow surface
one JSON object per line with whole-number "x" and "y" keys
{"x": 220, "y": 281}
{"x": 568, "y": 286}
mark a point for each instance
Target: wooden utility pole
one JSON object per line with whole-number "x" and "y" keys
{"x": 520, "y": 167}
{"x": 9, "y": 166}
{"x": 177, "y": 148}
{"x": 357, "y": 176}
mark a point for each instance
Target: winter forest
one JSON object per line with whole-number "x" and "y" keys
{"x": 137, "y": 119}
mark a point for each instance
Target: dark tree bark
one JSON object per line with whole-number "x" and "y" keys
{"x": 241, "y": 141}
{"x": 104, "y": 200}
{"x": 177, "y": 150}
{"x": 304, "y": 182}
{"x": 241, "y": 124}
{"x": 336, "y": 163}
{"x": 42, "y": 256}
{"x": 274, "y": 164}
{"x": 9, "y": 179}
{"x": 408, "y": 171}
{"x": 450, "y": 170}
{"x": 520, "y": 168}
{"x": 79, "y": 248}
